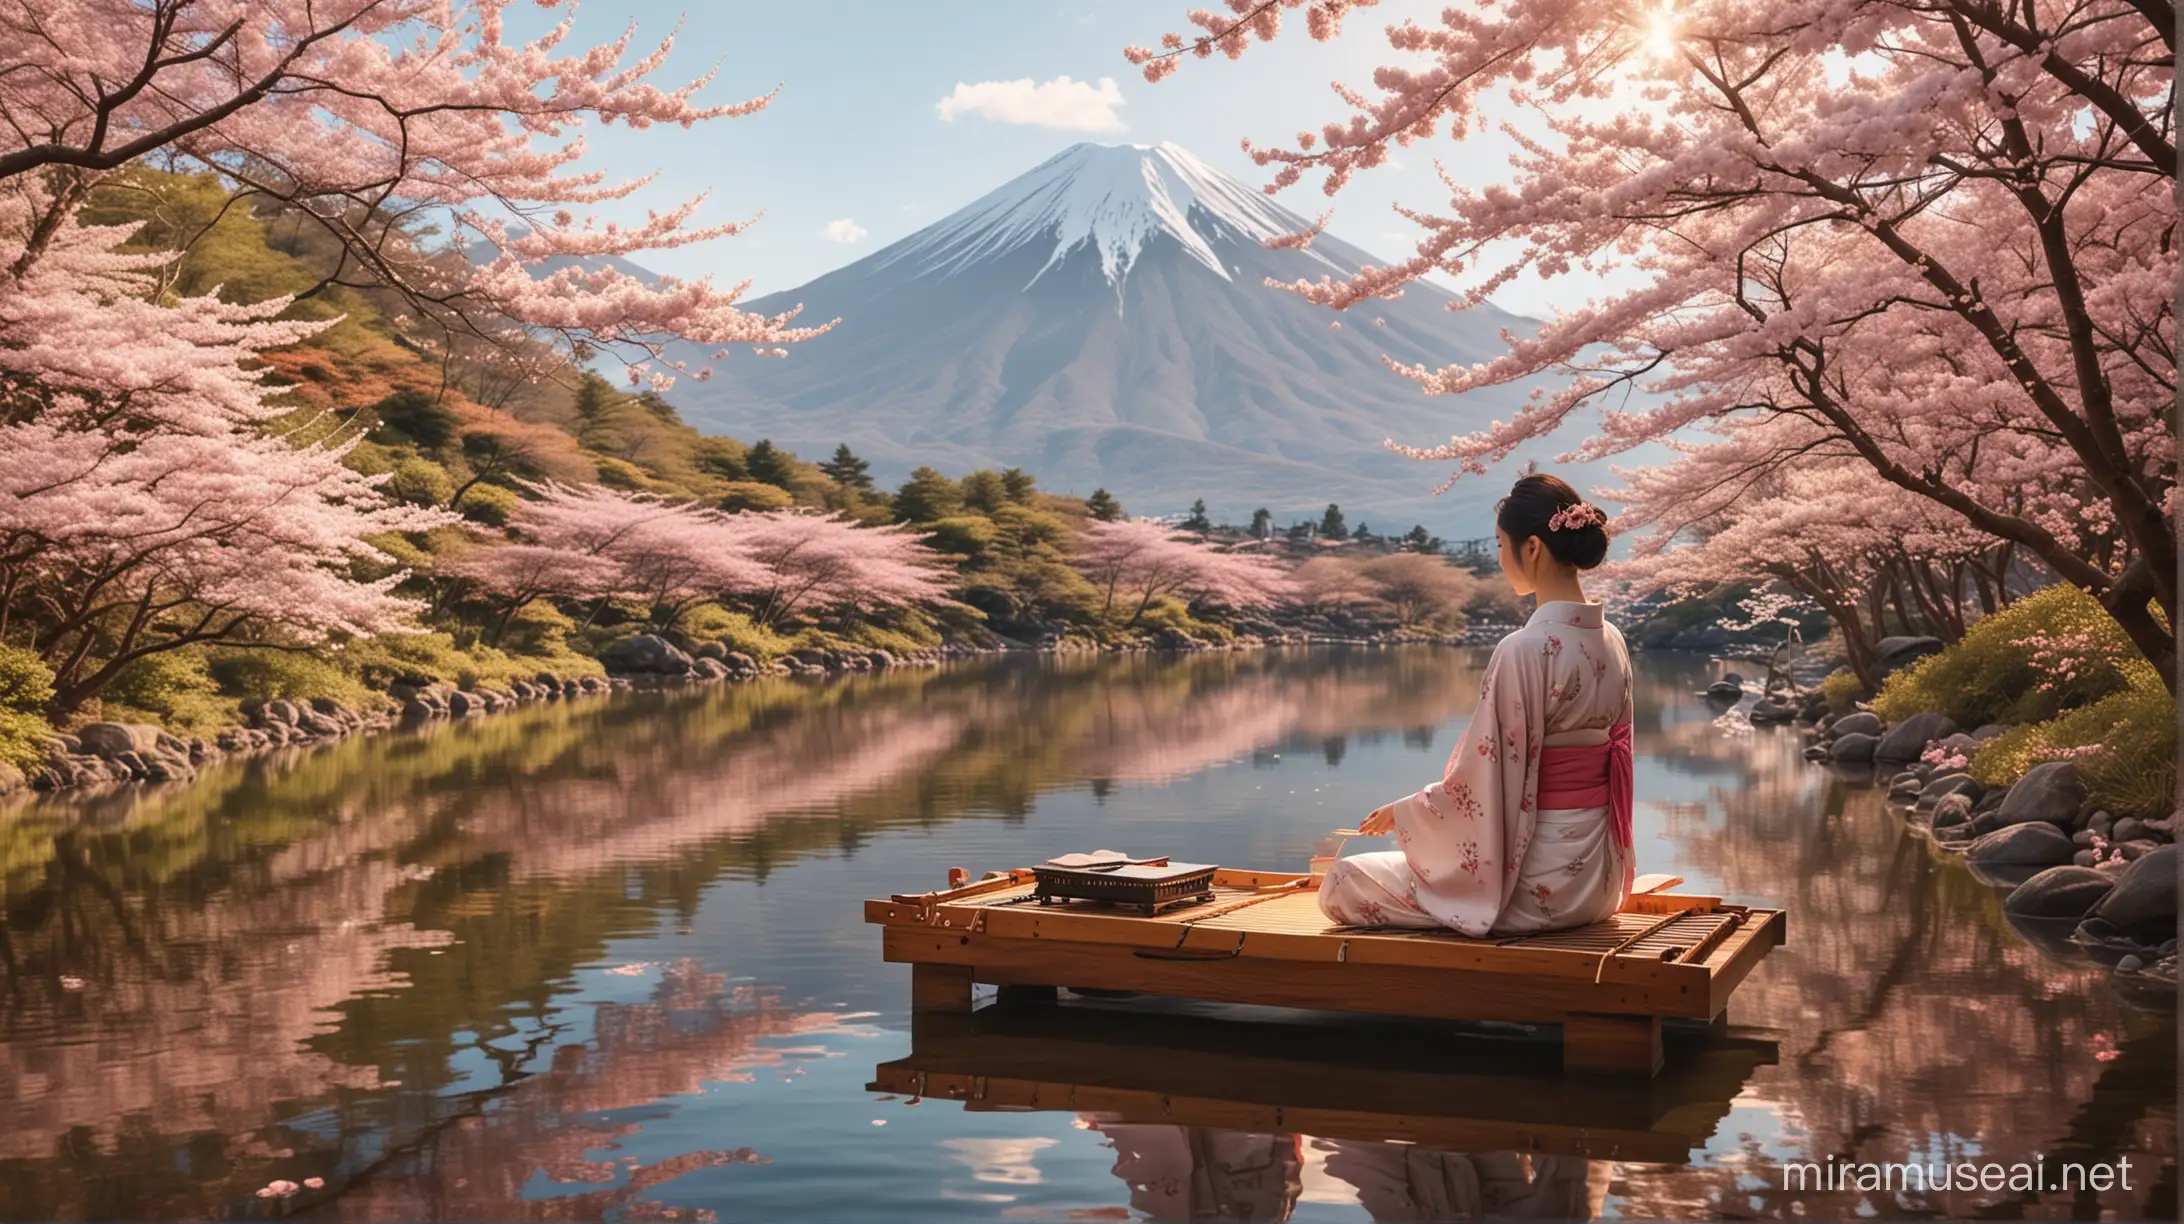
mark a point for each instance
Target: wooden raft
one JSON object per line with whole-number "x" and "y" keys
{"x": 1262, "y": 940}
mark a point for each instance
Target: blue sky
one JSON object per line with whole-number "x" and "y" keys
{"x": 856, "y": 145}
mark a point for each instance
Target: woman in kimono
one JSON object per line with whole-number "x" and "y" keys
{"x": 1529, "y": 827}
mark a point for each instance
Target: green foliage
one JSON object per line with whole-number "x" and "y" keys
{"x": 736, "y": 632}
{"x": 26, "y": 685}
{"x": 752, "y": 495}
{"x": 421, "y": 482}
{"x": 1842, "y": 690}
{"x": 1262, "y": 524}
{"x": 174, "y": 688}
{"x": 622, "y": 474}
{"x": 1020, "y": 486}
{"x": 490, "y": 504}
{"x": 927, "y": 497}
{"x": 1198, "y": 520}
{"x": 1331, "y": 526}
{"x": 1994, "y": 676}
{"x": 984, "y": 492}
{"x": 767, "y": 464}
{"x": 1103, "y": 506}
{"x": 266, "y": 674}
{"x": 414, "y": 416}
{"x": 847, "y": 470}
{"x": 968, "y": 536}
{"x": 721, "y": 458}
{"x": 2124, "y": 744}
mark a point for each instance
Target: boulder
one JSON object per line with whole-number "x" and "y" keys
{"x": 740, "y": 663}
{"x": 2049, "y": 792}
{"x": 2132, "y": 851}
{"x": 1855, "y": 748}
{"x": 710, "y": 650}
{"x": 1959, "y": 744}
{"x": 2059, "y": 892}
{"x": 1863, "y": 722}
{"x": 111, "y": 739}
{"x": 1891, "y": 653}
{"x": 1988, "y": 731}
{"x": 414, "y": 710}
{"x": 644, "y": 655}
{"x": 318, "y": 724}
{"x": 2144, "y": 896}
{"x": 1769, "y": 712}
{"x": 2125, "y": 829}
{"x": 1951, "y": 810}
{"x": 1724, "y": 690}
{"x": 2036, "y": 844}
{"x": 710, "y": 668}
{"x": 1949, "y": 784}
{"x": 1907, "y": 739}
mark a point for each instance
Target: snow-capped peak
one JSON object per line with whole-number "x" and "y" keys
{"x": 1115, "y": 198}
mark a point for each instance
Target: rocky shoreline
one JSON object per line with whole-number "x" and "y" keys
{"x": 103, "y": 754}
{"x": 2078, "y": 880}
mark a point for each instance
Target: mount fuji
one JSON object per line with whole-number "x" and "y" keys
{"x": 1104, "y": 321}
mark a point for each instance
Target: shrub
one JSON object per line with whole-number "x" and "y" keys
{"x": 420, "y": 482}
{"x": 1842, "y": 690}
{"x": 753, "y": 495}
{"x": 175, "y": 689}
{"x": 736, "y": 632}
{"x": 266, "y": 674}
{"x": 2124, "y": 744}
{"x": 2049, "y": 652}
{"x": 490, "y": 504}
{"x": 26, "y": 685}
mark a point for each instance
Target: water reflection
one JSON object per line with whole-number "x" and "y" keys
{"x": 605, "y": 959}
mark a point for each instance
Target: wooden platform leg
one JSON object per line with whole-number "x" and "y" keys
{"x": 940, "y": 988}
{"x": 1621, "y": 1045}
{"x": 1028, "y": 996}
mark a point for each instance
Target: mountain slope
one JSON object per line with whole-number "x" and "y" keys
{"x": 1103, "y": 320}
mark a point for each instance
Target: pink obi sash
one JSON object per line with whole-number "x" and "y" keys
{"x": 1591, "y": 775}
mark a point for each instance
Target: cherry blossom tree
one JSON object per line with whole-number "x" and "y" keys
{"x": 1934, "y": 239}
{"x": 153, "y": 493}
{"x": 828, "y": 561}
{"x": 363, "y": 118}
{"x": 672, "y": 556}
{"x": 1133, "y": 558}
{"x": 518, "y": 574}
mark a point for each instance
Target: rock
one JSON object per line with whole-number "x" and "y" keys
{"x": 740, "y": 663}
{"x": 2144, "y": 896}
{"x": 1816, "y": 752}
{"x": 1905, "y": 786}
{"x": 1864, "y": 722}
{"x": 711, "y": 650}
{"x": 1950, "y": 811}
{"x": 2059, "y": 892}
{"x": 2130, "y": 963}
{"x": 1770, "y": 712}
{"x": 644, "y": 655}
{"x": 1855, "y": 748}
{"x": 1990, "y": 800}
{"x": 2083, "y": 839}
{"x": 1988, "y": 731}
{"x": 2125, "y": 829}
{"x": 2101, "y": 823}
{"x": 1891, "y": 653}
{"x": 1959, "y": 744}
{"x": 1907, "y": 739}
{"x": 2087, "y": 858}
{"x": 318, "y": 724}
{"x": 2036, "y": 843}
{"x": 2048, "y": 792}
{"x": 1724, "y": 690}
{"x": 281, "y": 710}
{"x": 1949, "y": 784}
{"x": 881, "y": 658}
{"x": 2132, "y": 851}
{"x": 414, "y": 710}
{"x": 111, "y": 739}
{"x": 710, "y": 668}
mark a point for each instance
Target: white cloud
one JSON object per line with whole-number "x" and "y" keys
{"x": 844, "y": 231}
{"x": 1072, "y": 106}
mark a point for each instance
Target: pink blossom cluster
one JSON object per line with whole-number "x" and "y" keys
{"x": 2062, "y": 659}
{"x": 1943, "y": 758}
{"x": 1930, "y": 244}
{"x": 1135, "y": 559}
{"x": 596, "y": 542}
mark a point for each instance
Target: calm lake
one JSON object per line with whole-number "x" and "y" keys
{"x": 606, "y": 960}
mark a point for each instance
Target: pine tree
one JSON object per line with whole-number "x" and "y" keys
{"x": 927, "y": 497}
{"x": 767, "y": 464}
{"x": 1103, "y": 506}
{"x": 1198, "y": 520}
{"x": 1330, "y": 524}
{"x": 1363, "y": 534}
{"x": 1019, "y": 485}
{"x": 847, "y": 470}
{"x": 1262, "y": 524}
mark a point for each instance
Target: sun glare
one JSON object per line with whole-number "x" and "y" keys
{"x": 1660, "y": 34}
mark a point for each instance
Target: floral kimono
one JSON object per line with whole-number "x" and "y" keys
{"x": 1529, "y": 828}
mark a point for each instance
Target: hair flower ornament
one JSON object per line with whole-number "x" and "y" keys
{"x": 1572, "y": 517}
